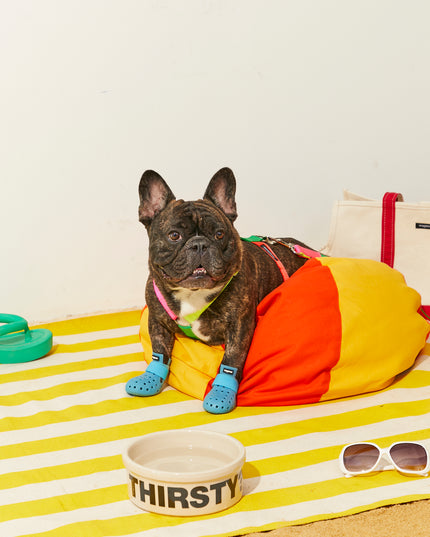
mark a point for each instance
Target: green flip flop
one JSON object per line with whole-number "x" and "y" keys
{"x": 20, "y": 344}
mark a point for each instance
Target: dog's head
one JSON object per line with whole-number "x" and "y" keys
{"x": 192, "y": 244}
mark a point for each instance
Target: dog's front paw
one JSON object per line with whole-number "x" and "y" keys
{"x": 151, "y": 382}
{"x": 145, "y": 385}
{"x": 222, "y": 397}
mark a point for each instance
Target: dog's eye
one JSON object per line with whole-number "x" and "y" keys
{"x": 219, "y": 234}
{"x": 175, "y": 236}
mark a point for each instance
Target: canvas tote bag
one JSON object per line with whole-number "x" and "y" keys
{"x": 390, "y": 230}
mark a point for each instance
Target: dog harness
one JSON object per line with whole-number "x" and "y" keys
{"x": 301, "y": 251}
{"x": 190, "y": 318}
{"x": 261, "y": 242}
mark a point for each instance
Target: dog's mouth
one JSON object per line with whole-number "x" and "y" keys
{"x": 199, "y": 272}
{"x": 199, "y": 278}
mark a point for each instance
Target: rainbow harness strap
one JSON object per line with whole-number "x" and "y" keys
{"x": 263, "y": 243}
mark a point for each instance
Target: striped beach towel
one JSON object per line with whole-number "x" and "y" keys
{"x": 66, "y": 418}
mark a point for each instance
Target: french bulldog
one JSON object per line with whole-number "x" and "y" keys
{"x": 204, "y": 281}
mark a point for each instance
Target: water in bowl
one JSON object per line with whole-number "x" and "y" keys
{"x": 184, "y": 459}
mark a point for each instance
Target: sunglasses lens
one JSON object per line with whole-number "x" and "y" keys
{"x": 360, "y": 457}
{"x": 409, "y": 456}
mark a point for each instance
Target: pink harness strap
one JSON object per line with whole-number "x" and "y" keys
{"x": 301, "y": 251}
{"x": 163, "y": 302}
{"x": 305, "y": 252}
{"x": 264, "y": 246}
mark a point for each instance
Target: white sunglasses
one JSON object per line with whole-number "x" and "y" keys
{"x": 410, "y": 458}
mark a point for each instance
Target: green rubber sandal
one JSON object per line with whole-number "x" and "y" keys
{"x": 20, "y": 344}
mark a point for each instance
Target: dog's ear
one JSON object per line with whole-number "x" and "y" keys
{"x": 221, "y": 192}
{"x": 154, "y": 194}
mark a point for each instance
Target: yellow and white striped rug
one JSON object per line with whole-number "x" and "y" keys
{"x": 66, "y": 419}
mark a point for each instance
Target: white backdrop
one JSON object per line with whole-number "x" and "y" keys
{"x": 301, "y": 98}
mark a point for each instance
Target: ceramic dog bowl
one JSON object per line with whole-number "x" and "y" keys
{"x": 185, "y": 472}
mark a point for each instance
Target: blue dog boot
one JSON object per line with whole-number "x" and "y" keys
{"x": 222, "y": 397}
{"x": 151, "y": 382}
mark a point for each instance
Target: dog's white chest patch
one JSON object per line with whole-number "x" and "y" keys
{"x": 192, "y": 302}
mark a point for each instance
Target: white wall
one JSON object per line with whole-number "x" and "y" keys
{"x": 302, "y": 98}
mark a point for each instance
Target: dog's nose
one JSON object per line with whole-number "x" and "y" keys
{"x": 198, "y": 243}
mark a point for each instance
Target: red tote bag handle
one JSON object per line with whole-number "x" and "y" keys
{"x": 388, "y": 236}
{"x": 388, "y": 226}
